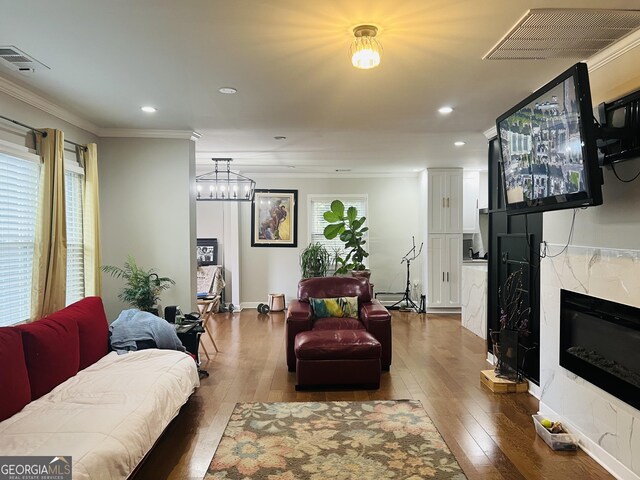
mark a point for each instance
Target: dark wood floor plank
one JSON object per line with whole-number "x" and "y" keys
{"x": 435, "y": 361}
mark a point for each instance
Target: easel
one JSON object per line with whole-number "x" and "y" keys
{"x": 406, "y": 297}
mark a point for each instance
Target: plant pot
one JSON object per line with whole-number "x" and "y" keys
{"x": 361, "y": 274}
{"x": 508, "y": 350}
{"x": 153, "y": 311}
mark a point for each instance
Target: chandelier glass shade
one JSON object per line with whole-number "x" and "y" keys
{"x": 225, "y": 185}
{"x": 365, "y": 49}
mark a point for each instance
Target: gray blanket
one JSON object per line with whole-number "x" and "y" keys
{"x": 134, "y": 325}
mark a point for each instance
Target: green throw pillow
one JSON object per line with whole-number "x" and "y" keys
{"x": 335, "y": 307}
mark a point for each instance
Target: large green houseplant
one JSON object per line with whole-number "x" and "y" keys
{"x": 350, "y": 229}
{"x": 314, "y": 261}
{"x": 142, "y": 287}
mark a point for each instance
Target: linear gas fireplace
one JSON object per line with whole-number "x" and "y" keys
{"x": 600, "y": 342}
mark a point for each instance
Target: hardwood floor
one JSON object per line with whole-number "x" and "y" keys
{"x": 434, "y": 361}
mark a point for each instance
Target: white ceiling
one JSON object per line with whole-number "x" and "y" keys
{"x": 289, "y": 61}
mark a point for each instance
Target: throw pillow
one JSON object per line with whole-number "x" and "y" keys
{"x": 340, "y": 307}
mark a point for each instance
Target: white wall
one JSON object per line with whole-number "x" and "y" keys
{"x": 34, "y": 117}
{"x": 220, "y": 220}
{"x": 616, "y": 222}
{"x": 148, "y": 210}
{"x": 393, "y": 218}
{"x": 604, "y": 423}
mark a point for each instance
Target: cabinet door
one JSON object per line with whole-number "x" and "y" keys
{"x": 470, "y": 190}
{"x": 453, "y": 202}
{"x": 454, "y": 270}
{"x": 437, "y": 202}
{"x": 437, "y": 270}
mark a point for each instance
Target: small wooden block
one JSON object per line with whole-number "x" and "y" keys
{"x": 501, "y": 385}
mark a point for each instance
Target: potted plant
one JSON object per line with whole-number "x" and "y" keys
{"x": 142, "y": 288}
{"x": 514, "y": 323}
{"x": 350, "y": 230}
{"x": 314, "y": 261}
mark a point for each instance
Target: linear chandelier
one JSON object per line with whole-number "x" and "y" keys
{"x": 224, "y": 186}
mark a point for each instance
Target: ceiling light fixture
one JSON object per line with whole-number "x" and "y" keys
{"x": 224, "y": 186}
{"x": 148, "y": 109}
{"x": 459, "y": 143}
{"x": 445, "y": 110}
{"x": 365, "y": 49}
{"x": 227, "y": 90}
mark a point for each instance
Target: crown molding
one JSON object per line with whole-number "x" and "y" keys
{"x": 139, "y": 133}
{"x": 614, "y": 51}
{"x": 491, "y": 133}
{"x": 333, "y": 175}
{"x": 27, "y": 96}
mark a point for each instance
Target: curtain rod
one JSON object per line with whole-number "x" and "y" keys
{"x": 42, "y": 132}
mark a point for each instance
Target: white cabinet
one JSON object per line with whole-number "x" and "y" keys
{"x": 445, "y": 265}
{"x": 483, "y": 198}
{"x": 445, "y": 201}
{"x": 470, "y": 194}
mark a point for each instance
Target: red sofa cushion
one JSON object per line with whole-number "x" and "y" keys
{"x": 14, "y": 378}
{"x": 93, "y": 328}
{"x": 51, "y": 352}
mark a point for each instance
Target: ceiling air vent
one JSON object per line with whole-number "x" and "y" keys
{"x": 564, "y": 33}
{"x": 16, "y": 59}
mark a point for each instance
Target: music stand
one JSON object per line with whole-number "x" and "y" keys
{"x": 406, "y": 297}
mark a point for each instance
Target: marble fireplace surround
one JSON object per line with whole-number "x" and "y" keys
{"x": 608, "y": 428}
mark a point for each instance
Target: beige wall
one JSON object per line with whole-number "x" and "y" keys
{"x": 393, "y": 218}
{"x": 616, "y": 223}
{"x": 34, "y": 117}
{"x": 148, "y": 210}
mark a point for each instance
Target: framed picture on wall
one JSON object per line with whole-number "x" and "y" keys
{"x": 207, "y": 251}
{"x": 274, "y": 218}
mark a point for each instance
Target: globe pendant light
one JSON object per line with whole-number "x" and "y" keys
{"x": 365, "y": 49}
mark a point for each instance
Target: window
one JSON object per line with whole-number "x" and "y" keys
{"x": 73, "y": 180}
{"x": 318, "y": 204}
{"x": 18, "y": 211}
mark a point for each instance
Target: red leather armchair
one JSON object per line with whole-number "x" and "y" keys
{"x": 373, "y": 317}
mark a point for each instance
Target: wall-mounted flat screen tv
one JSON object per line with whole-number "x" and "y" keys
{"x": 548, "y": 147}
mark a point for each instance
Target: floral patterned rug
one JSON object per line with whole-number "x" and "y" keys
{"x": 332, "y": 440}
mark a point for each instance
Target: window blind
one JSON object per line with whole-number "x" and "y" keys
{"x": 75, "y": 241}
{"x": 19, "y": 181}
{"x": 321, "y": 204}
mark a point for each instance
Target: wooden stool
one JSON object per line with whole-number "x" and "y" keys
{"x": 276, "y": 302}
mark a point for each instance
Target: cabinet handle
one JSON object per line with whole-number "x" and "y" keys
{"x": 442, "y": 202}
{"x": 447, "y": 276}
{"x": 448, "y": 205}
{"x": 443, "y": 276}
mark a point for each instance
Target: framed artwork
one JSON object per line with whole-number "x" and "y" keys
{"x": 274, "y": 218}
{"x": 207, "y": 251}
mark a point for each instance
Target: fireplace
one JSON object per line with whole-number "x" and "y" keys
{"x": 600, "y": 342}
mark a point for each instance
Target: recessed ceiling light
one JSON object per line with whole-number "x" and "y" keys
{"x": 227, "y": 90}
{"x": 148, "y": 109}
{"x": 460, "y": 143}
{"x": 445, "y": 110}
{"x": 280, "y": 137}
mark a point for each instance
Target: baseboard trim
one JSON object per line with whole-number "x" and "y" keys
{"x": 445, "y": 311}
{"x": 591, "y": 448}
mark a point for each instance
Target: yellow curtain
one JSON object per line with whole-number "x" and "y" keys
{"x": 91, "y": 220}
{"x": 50, "y": 253}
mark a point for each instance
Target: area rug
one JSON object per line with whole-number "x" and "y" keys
{"x": 332, "y": 440}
